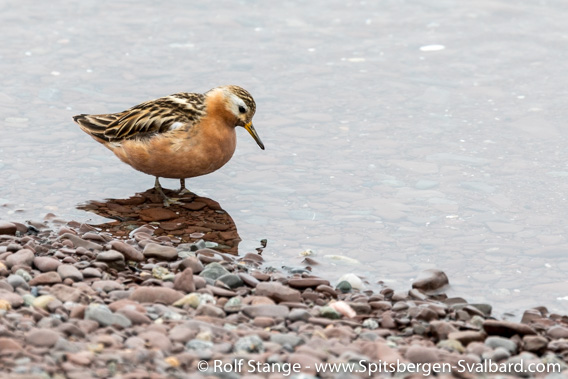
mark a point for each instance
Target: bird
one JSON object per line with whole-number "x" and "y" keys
{"x": 179, "y": 136}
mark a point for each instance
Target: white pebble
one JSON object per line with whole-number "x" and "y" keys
{"x": 352, "y": 279}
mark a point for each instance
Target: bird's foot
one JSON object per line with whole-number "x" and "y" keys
{"x": 171, "y": 201}
{"x": 182, "y": 189}
{"x": 167, "y": 200}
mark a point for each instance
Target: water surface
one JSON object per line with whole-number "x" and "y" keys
{"x": 403, "y": 134}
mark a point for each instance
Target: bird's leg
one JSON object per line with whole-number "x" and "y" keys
{"x": 183, "y": 190}
{"x": 167, "y": 200}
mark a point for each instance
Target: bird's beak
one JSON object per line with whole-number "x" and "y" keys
{"x": 254, "y": 134}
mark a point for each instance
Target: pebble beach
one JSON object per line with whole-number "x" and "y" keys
{"x": 162, "y": 293}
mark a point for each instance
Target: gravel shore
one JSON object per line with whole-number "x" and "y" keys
{"x": 157, "y": 296}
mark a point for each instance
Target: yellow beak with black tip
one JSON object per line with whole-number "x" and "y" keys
{"x": 248, "y": 126}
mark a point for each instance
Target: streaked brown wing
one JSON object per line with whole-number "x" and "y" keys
{"x": 151, "y": 117}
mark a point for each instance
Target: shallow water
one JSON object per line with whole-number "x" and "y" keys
{"x": 403, "y": 134}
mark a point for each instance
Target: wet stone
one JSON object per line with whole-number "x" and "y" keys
{"x": 153, "y": 250}
{"x": 430, "y": 280}
{"x": 208, "y": 256}
{"x": 307, "y": 282}
{"x": 7, "y": 228}
{"x": 485, "y": 309}
{"x": 157, "y": 214}
{"x": 507, "y": 328}
{"x": 231, "y": 280}
{"x": 249, "y": 280}
{"x": 344, "y": 286}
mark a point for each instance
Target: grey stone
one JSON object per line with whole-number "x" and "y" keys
{"x": 233, "y": 305}
{"x": 498, "y": 354}
{"x": 198, "y": 345}
{"x": 495, "y": 342}
{"x": 213, "y": 271}
{"x": 104, "y": 316}
{"x": 231, "y": 280}
{"x": 289, "y": 339}
{"x": 249, "y": 344}
{"x": 370, "y": 324}
{"x": 299, "y": 314}
{"x": 17, "y": 281}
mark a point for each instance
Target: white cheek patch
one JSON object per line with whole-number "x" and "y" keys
{"x": 236, "y": 102}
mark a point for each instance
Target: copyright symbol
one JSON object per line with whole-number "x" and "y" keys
{"x": 202, "y": 366}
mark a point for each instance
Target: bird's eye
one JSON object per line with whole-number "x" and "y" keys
{"x": 242, "y": 109}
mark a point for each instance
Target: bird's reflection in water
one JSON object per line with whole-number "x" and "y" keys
{"x": 197, "y": 218}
